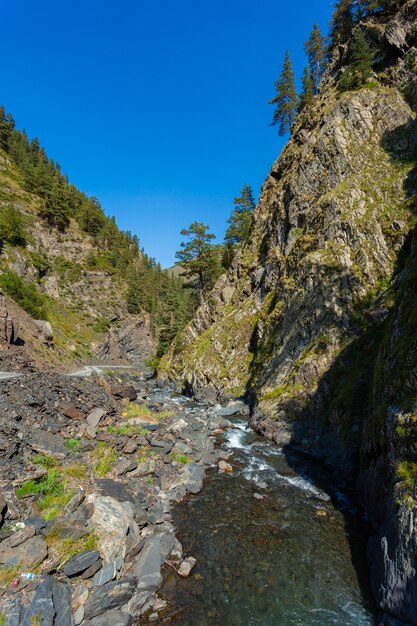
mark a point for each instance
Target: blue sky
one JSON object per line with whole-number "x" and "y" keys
{"x": 157, "y": 108}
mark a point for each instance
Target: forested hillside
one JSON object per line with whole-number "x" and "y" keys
{"x": 63, "y": 259}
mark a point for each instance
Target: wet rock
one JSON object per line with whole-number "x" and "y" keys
{"x": 112, "y": 595}
{"x": 80, "y": 562}
{"x": 186, "y": 566}
{"x": 225, "y": 467}
{"x": 114, "y": 489}
{"x": 61, "y": 596}
{"x": 111, "y": 521}
{"x": 41, "y": 604}
{"x": 115, "y": 617}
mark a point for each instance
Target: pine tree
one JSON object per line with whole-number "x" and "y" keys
{"x": 315, "y": 49}
{"x": 360, "y": 68}
{"x": 342, "y": 22}
{"x": 240, "y": 219}
{"x": 286, "y": 98}
{"x": 307, "y": 93}
{"x": 197, "y": 256}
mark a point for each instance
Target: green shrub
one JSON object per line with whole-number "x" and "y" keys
{"x": 25, "y": 294}
{"x": 12, "y": 226}
{"x": 101, "y": 325}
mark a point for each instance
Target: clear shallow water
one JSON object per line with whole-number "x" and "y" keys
{"x": 283, "y": 560}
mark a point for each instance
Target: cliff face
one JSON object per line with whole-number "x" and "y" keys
{"x": 81, "y": 300}
{"x": 314, "y": 321}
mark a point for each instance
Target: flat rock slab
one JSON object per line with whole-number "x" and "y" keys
{"x": 111, "y": 618}
{"x": 45, "y": 442}
{"x": 42, "y": 604}
{"x": 147, "y": 566}
{"x": 94, "y": 417}
{"x": 80, "y": 562}
{"x": 111, "y": 596}
{"x": 32, "y": 551}
{"x": 69, "y": 410}
{"x": 125, "y": 391}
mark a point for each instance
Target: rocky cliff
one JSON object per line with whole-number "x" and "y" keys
{"x": 315, "y": 321}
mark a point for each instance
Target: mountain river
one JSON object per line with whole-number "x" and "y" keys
{"x": 272, "y": 547}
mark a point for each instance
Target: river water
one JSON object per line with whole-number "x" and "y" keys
{"x": 271, "y": 547}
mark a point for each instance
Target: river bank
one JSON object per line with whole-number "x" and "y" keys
{"x": 90, "y": 468}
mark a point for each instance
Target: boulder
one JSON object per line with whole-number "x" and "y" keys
{"x": 69, "y": 410}
{"x": 125, "y": 392}
{"x": 45, "y": 334}
{"x": 193, "y": 477}
{"x": 186, "y": 566}
{"x": 45, "y": 442}
{"x": 110, "y": 521}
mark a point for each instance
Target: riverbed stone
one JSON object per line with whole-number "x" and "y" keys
{"x": 193, "y": 477}
{"x": 112, "y": 595}
{"x": 186, "y": 566}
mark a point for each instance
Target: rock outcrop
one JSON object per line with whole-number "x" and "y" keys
{"x": 314, "y": 323}
{"x": 8, "y": 326}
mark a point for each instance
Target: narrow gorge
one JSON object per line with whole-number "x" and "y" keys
{"x": 233, "y": 441}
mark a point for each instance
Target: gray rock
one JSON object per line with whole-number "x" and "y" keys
{"x": 41, "y": 604}
{"x": 80, "y": 562}
{"x": 193, "y": 477}
{"x": 186, "y": 566}
{"x": 156, "y": 513}
{"x": 110, "y": 596}
{"x": 111, "y": 618}
{"x": 78, "y": 615}
{"x": 75, "y": 502}
{"x": 105, "y": 574}
{"x": 45, "y": 442}
{"x": 21, "y": 536}
{"x": 124, "y": 466}
{"x": 147, "y": 566}
{"x": 61, "y": 595}
{"x": 111, "y": 521}
{"x": 12, "y": 607}
{"x": 94, "y": 417}
{"x": 93, "y": 569}
{"x": 29, "y": 553}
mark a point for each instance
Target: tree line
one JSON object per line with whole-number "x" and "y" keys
{"x": 346, "y": 15}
